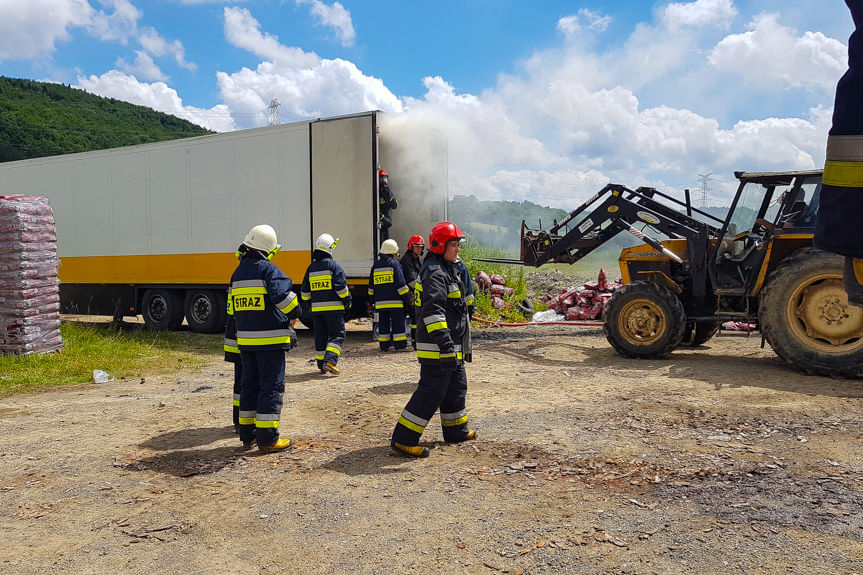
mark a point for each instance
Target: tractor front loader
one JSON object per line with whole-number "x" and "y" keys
{"x": 694, "y": 271}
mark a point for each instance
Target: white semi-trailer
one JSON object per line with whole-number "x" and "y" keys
{"x": 152, "y": 229}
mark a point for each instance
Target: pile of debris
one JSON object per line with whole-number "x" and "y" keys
{"x": 495, "y": 286}
{"x": 29, "y": 288}
{"x": 585, "y": 302}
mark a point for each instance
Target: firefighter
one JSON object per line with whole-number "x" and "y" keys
{"x": 387, "y": 203}
{"x": 411, "y": 263}
{"x": 263, "y": 306}
{"x": 836, "y": 227}
{"x": 390, "y": 295}
{"x": 442, "y": 331}
{"x": 325, "y": 288}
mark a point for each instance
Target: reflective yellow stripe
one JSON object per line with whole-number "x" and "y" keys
{"x": 319, "y": 357}
{"x": 411, "y": 425}
{"x": 436, "y": 326}
{"x": 452, "y": 422}
{"x": 236, "y": 402}
{"x": 336, "y": 351}
{"x": 287, "y": 309}
{"x": 843, "y": 174}
{"x": 266, "y": 424}
{"x": 437, "y": 355}
{"x": 388, "y": 306}
{"x": 248, "y": 290}
{"x": 329, "y": 308}
{"x": 232, "y": 349}
{"x": 263, "y": 340}
{"x": 246, "y": 421}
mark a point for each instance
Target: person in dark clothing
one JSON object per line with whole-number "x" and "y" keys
{"x": 387, "y": 203}
{"x": 841, "y": 203}
{"x": 390, "y": 295}
{"x": 325, "y": 288}
{"x": 411, "y": 263}
{"x": 442, "y": 335}
{"x": 263, "y": 306}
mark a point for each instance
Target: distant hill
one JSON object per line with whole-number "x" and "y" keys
{"x": 43, "y": 119}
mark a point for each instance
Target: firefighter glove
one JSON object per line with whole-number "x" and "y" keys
{"x": 348, "y": 302}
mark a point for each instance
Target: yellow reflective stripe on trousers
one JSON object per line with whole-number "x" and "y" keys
{"x": 453, "y": 422}
{"x": 336, "y": 351}
{"x": 437, "y": 355}
{"x": 843, "y": 174}
{"x": 432, "y": 327}
{"x": 411, "y": 425}
{"x": 231, "y": 348}
{"x": 266, "y": 424}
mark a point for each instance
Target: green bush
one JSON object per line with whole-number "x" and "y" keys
{"x": 512, "y": 274}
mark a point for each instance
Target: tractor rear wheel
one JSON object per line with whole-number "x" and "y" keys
{"x": 644, "y": 320}
{"x": 806, "y": 318}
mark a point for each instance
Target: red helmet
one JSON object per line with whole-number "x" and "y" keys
{"x": 382, "y": 173}
{"x": 416, "y": 240}
{"x": 441, "y": 234}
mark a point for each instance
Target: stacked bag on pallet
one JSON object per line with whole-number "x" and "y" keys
{"x": 29, "y": 288}
{"x": 585, "y": 302}
{"x": 495, "y": 286}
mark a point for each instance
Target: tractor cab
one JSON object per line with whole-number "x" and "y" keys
{"x": 767, "y": 206}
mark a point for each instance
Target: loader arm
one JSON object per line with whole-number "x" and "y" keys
{"x": 613, "y": 209}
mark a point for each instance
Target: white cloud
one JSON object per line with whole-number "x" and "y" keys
{"x": 769, "y": 52}
{"x": 306, "y": 85}
{"x": 334, "y": 15}
{"x": 30, "y": 29}
{"x": 121, "y": 25}
{"x": 142, "y": 67}
{"x": 153, "y": 43}
{"x": 699, "y": 14}
{"x": 573, "y": 24}
{"x": 243, "y": 31}
{"x": 158, "y": 96}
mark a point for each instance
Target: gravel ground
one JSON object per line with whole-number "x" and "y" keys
{"x": 718, "y": 460}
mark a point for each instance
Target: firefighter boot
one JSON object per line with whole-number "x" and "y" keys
{"x": 281, "y": 444}
{"x": 249, "y": 444}
{"x": 471, "y": 434}
{"x": 331, "y": 368}
{"x": 410, "y": 450}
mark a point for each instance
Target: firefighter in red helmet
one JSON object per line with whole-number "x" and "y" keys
{"x": 386, "y": 204}
{"x": 411, "y": 263}
{"x": 442, "y": 326}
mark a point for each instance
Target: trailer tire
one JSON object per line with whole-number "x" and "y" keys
{"x": 205, "y": 310}
{"x": 805, "y": 316}
{"x": 644, "y": 320}
{"x": 698, "y": 333}
{"x": 162, "y": 309}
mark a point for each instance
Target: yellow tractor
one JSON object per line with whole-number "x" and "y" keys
{"x": 694, "y": 271}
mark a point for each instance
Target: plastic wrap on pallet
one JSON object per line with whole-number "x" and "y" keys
{"x": 29, "y": 288}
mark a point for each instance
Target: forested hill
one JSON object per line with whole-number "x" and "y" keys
{"x": 43, "y": 119}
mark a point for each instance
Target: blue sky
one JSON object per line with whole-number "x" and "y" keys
{"x": 546, "y": 101}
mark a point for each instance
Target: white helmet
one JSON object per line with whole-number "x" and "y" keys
{"x": 389, "y": 247}
{"x": 326, "y": 243}
{"x": 262, "y": 237}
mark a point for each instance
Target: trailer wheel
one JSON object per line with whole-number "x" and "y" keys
{"x": 806, "y": 318}
{"x": 644, "y": 320}
{"x": 205, "y": 310}
{"x": 697, "y": 333}
{"x": 162, "y": 309}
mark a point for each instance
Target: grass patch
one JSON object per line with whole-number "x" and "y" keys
{"x": 513, "y": 274}
{"x": 126, "y": 352}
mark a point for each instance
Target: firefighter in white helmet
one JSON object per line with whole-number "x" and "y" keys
{"x": 263, "y": 305}
{"x": 389, "y": 294}
{"x": 325, "y": 290}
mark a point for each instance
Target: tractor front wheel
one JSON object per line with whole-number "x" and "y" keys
{"x": 644, "y": 320}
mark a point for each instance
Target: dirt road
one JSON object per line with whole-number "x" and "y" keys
{"x": 718, "y": 460}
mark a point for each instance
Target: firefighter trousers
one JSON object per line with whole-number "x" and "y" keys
{"x": 437, "y": 388}
{"x": 391, "y": 329}
{"x": 329, "y": 330}
{"x": 261, "y": 394}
